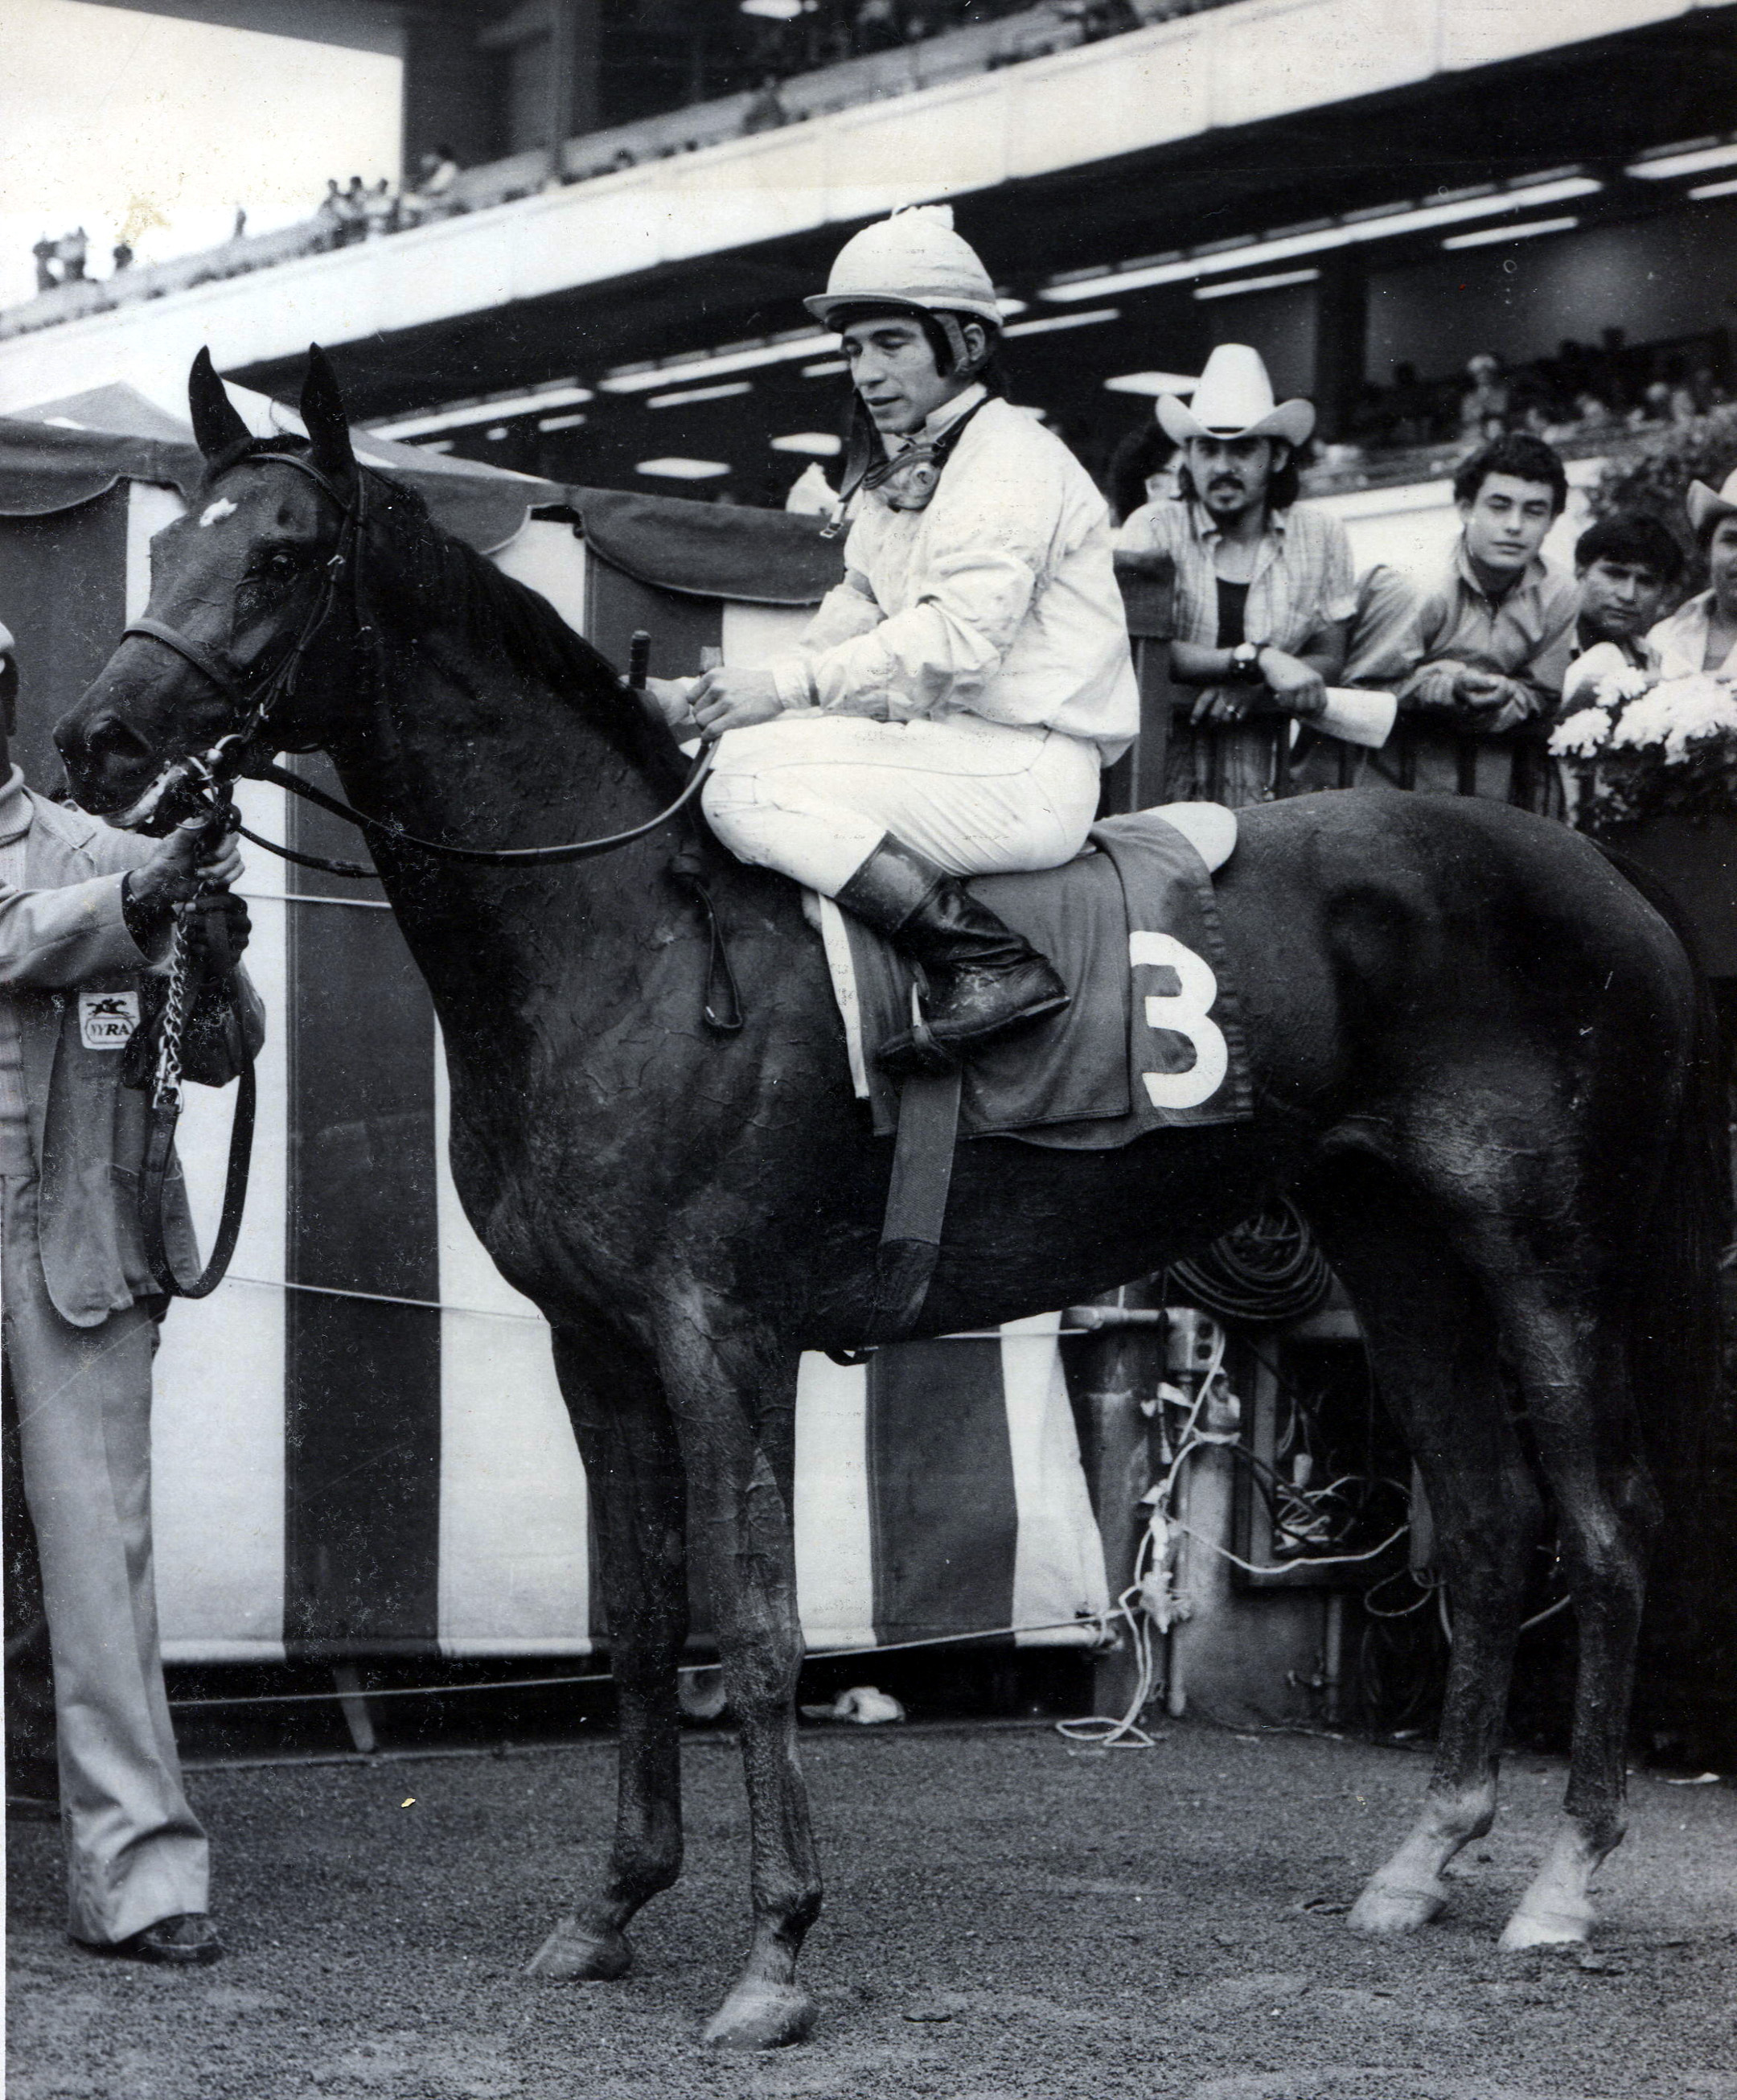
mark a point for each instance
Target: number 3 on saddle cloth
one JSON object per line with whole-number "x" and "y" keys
{"x": 1152, "y": 1038}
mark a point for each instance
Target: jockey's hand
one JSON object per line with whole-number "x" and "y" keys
{"x": 670, "y": 697}
{"x": 725, "y": 698}
{"x": 1298, "y": 687}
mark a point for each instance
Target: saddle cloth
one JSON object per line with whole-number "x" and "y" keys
{"x": 1153, "y": 1039}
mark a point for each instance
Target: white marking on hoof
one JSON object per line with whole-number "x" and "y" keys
{"x": 571, "y": 1955}
{"x": 761, "y": 2016}
{"x": 222, "y": 507}
{"x": 1385, "y": 1908}
{"x": 1544, "y": 1928}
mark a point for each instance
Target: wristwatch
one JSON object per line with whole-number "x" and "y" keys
{"x": 1245, "y": 664}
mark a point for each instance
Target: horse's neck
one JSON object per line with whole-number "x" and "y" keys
{"x": 454, "y": 746}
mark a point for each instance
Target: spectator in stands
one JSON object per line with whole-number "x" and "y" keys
{"x": 123, "y": 256}
{"x": 238, "y": 231}
{"x": 331, "y": 214}
{"x": 85, "y": 919}
{"x": 74, "y": 250}
{"x": 380, "y": 209}
{"x": 438, "y": 172}
{"x": 875, "y": 27}
{"x": 1476, "y": 653}
{"x": 1264, "y": 584}
{"x": 1701, "y": 635}
{"x": 352, "y": 212}
{"x": 45, "y": 252}
{"x": 1485, "y": 406}
{"x": 766, "y": 111}
{"x": 1624, "y": 565}
{"x": 1142, "y": 469}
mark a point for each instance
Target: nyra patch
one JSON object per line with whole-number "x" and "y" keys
{"x": 107, "y": 1020}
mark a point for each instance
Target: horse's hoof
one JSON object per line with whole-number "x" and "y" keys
{"x": 571, "y": 1955}
{"x": 761, "y": 2016}
{"x": 1387, "y": 1909}
{"x": 1544, "y": 1928}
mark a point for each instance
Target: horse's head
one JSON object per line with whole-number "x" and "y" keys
{"x": 246, "y": 601}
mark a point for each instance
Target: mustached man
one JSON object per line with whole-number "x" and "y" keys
{"x": 948, "y": 709}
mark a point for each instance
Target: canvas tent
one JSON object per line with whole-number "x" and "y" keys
{"x": 359, "y": 1448}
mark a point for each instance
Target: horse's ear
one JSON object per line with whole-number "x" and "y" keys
{"x": 217, "y": 421}
{"x": 322, "y": 412}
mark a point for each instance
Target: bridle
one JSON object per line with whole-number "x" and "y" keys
{"x": 201, "y": 784}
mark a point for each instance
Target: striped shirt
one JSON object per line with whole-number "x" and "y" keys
{"x": 1304, "y": 581}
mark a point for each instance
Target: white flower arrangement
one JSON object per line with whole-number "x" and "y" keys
{"x": 1643, "y": 746}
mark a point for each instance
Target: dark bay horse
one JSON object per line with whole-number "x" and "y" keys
{"x": 1473, "y": 1045}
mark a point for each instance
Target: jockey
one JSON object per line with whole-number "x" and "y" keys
{"x": 949, "y": 708}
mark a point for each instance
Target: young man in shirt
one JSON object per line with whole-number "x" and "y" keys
{"x": 1263, "y": 584}
{"x": 1624, "y": 565}
{"x": 1476, "y": 652}
{"x": 949, "y": 707}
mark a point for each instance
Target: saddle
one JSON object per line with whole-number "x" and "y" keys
{"x": 1153, "y": 1039}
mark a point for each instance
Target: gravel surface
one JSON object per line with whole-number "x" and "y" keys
{"x": 1004, "y": 1917}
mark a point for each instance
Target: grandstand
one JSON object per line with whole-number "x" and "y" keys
{"x": 1370, "y": 190}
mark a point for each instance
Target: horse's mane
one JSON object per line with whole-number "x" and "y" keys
{"x": 440, "y": 573}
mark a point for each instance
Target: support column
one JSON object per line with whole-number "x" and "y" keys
{"x": 575, "y": 64}
{"x": 1342, "y": 319}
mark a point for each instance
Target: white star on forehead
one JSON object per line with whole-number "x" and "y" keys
{"x": 222, "y": 508}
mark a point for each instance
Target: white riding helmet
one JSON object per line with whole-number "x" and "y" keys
{"x": 912, "y": 259}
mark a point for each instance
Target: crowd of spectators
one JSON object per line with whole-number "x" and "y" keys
{"x": 835, "y": 30}
{"x": 1583, "y": 388}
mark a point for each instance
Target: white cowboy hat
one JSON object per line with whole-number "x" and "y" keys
{"x": 1704, "y": 506}
{"x": 1234, "y": 400}
{"x": 912, "y": 259}
{"x": 7, "y": 643}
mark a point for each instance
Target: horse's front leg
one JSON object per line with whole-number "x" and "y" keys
{"x": 734, "y": 1397}
{"x": 633, "y": 1470}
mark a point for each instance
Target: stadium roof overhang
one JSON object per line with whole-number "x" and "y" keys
{"x": 1456, "y": 130}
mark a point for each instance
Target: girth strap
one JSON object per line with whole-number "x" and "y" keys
{"x": 916, "y": 1204}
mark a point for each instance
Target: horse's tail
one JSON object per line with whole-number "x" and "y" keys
{"x": 1676, "y": 1349}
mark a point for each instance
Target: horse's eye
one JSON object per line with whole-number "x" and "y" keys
{"x": 278, "y": 566}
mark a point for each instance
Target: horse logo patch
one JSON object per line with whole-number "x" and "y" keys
{"x": 107, "y": 1020}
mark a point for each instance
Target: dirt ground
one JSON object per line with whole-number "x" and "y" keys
{"x": 1004, "y": 1917}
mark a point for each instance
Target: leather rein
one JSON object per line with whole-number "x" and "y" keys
{"x": 205, "y": 785}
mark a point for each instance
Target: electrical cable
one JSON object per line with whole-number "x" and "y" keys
{"x": 1266, "y": 1268}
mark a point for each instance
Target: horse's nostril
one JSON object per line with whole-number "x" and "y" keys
{"x": 111, "y": 741}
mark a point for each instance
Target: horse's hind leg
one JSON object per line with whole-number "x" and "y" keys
{"x": 1432, "y": 1343}
{"x": 634, "y": 1472}
{"x": 1572, "y": 1365}
{"x": 734, "y": 1396}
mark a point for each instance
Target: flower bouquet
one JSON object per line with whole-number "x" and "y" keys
{"x": 1645, "y": 748}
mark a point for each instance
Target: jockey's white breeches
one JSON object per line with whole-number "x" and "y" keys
{"x": 812, "y": 795}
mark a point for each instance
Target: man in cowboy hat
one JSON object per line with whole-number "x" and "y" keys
{"x": 1264, "y": 584}
{"x": 1701, "y": 634}
{"x": 1477, "y": 651}
{"x": 948, "y": 709}
{"x": 86, "y": 915}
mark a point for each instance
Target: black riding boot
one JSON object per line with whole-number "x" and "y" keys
{"x": 983, "y": 979}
